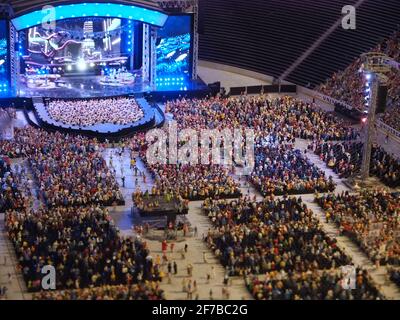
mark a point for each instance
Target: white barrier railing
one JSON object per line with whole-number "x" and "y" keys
{"x": 333, "y": 101}
{"x": 388, "y": 129}
{"x": 319, "y": 96}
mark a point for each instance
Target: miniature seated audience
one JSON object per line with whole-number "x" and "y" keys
{"x": 194, "y": 182}
{"x": 345, "y": 159}
{"x": 284, "y": 119}
{"x": 89, "y": 112}
{"x": 386, "y": 167}
{"x": 10, "y": 196}
{"x": 15, "y": 148}
{"x": 285, "y": 116}
{"x": 313, "y": 285}
{"x": 279, "y": 169}
{"x": 70, "y": 170}
{"x": 273, "y": 235}
{"x": 142, "y": 291}
{"x": 395, "y": 275}
{"x": 83, "y": 245}
{"x": 369, "y": 218}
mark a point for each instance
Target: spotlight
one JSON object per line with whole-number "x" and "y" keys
{"x": 69, "y": 67}
{"x": 368, "y": 76}
{"x": 81, "y": 65}
{"x": 364, "y": 120}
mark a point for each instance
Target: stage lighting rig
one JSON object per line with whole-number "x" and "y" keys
{"x": 375, "y": 66}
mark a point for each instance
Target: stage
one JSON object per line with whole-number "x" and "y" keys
{"x": 90, "y": 87}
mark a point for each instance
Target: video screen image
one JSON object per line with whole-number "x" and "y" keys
{"x": 3, "y": 54}
{"x": 174, "y": 46}
{"x": 77, "y": 44}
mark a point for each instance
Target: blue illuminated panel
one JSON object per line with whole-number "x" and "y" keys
{"x": 174, "y": 51}
{"x": 4, "y": 59}
{"x": 91, "y": 10}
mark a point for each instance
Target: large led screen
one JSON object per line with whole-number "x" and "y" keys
{"x": 79, "y": 44}
{"x": 174, "y": 49}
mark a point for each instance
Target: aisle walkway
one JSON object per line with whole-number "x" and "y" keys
{"x": 16, "y": 289}
{"x": 9, "y": 276}
{"x": 196, "y": 248}
{"x": 122, "y": 214}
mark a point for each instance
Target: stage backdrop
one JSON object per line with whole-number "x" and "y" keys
{"x": 81, "y": 45}
{"x": 174, "y": 47}
{"x": 4, "y": 58}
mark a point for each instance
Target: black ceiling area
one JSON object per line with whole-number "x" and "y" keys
{"x": 23, "y": 6}
{"x": 268, "y": 36}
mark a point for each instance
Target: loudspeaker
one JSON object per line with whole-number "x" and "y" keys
{"x": 215, "y": 87}
{"x": 382, "y": 99}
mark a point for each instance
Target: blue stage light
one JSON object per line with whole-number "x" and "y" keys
{"x": 153, "y": 17}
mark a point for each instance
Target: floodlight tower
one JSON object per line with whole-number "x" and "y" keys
{"x": 375, "y": 66}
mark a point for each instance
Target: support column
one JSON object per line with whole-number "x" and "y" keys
{"x": 195, "y": 39}
{"x": 153, "y": 57}
{"x": 146, "y": 53}
{"x": 370, "y": 129}
{"x": 14, "y": 59}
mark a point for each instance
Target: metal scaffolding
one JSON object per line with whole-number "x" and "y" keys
{"x": 376, "y": 65}
{"x": 195, "y": 39}
{"x": 153, "y": 57}
{"x": 146, "y": 53}
{"x": 14, "y": 59}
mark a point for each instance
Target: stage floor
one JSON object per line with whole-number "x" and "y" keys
{"x": 90, "y": 87}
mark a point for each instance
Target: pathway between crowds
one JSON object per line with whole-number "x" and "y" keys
{"x": 380, "y": 275}
{"x": 10, "y": 277}
{"x": 196, "y": 247}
